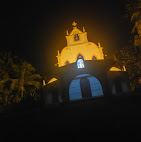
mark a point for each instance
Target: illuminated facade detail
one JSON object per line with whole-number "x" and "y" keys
{"x": 52, "y": 80}
{"x": 44, "y": 83}
{"x": 115, "y": 69}
{"x": 80, "y": 57}
{"x": 74, "y": 23}
{"x": 94, "y": 58}
{"x": 124, "y": 69}
{"x": 80, "y": 63}
{"x": 67, "y": 62}
{"x": 77, "y": 42}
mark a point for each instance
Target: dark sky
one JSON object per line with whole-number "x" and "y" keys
{"x": 34, "y": 31}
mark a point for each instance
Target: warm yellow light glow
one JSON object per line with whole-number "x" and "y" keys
{"x": 77, "y": 43}
{"x": 124, "y": 69}
{"x": 44, "y": 83}
{"x": 115, "y": 69}
{"x": 74, "y": 23}
{"x": 52, "y": 80}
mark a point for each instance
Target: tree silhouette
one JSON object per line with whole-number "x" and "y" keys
{"x": 7, "y": 82}
{"x": 17, "y": 79}
{"x": 130, "y": 55}
{"x": 129, "y": 58}
{"x": 27, "y": 78}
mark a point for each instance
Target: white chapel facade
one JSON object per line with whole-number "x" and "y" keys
{"x": 78, "y": 46}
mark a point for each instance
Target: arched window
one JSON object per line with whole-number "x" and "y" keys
{"x": 94, "y": 58}
{"x": 67, "y": 62}
{"x": 80, "y": 57}
{"x": 80, "y": 61}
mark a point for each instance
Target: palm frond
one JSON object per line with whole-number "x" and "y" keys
{"x": 14, "y": 84}
{"x": 33, "y": 77}
{"x": 27, "y": 66}
{"x": 36, "y": 84}
{"x": 135, "y": 15}
{"x": 10, "y": 84}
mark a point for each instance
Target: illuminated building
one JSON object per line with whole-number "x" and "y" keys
{"x": 83, "y": 73}
{"x": 77, "y": 47}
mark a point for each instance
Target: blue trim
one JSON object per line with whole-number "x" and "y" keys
{"x": 75, "y": 89}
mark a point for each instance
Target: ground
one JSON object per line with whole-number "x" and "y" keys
{"x": 113, "y": 114}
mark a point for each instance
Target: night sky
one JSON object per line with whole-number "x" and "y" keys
{"x": 35, "y": 31}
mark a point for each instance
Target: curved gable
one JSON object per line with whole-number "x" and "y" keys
{"x": 77, "y": 43}
{"x": 75, "y": 30}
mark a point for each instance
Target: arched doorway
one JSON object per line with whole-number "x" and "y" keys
{"x": 84, "y": 86}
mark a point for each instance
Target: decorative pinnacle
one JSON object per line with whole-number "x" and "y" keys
{"x": 99, "y": 45}
{"x": 58, "y": 52}
{"x": 67, "y": 33}
{"x": 83, "y": 29}
{"x": 74, "y": 23}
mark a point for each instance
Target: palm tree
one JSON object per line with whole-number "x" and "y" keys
{"x": 6, "y": 90}
{"x": 16, "y": 79}
{"x": 27, "y": 78}
{"x": 132, "y": 54}
{"x": 133, "y": 64}
{"x": 7, "y": 82}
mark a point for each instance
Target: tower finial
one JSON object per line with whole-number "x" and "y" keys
{"x": 83, "y": 29}
{"x": 67, "y": 33}
{"x": 58, "y": 52}
{"x": 99, "y": 44}
{"x": 74, "y": 23}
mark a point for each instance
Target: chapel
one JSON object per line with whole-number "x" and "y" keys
{"x": 82, "y": 72}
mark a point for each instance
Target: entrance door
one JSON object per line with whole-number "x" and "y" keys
{"x": 85, "y": 88}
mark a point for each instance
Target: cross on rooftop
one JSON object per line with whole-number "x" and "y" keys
{"x": 74, "y": 24}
